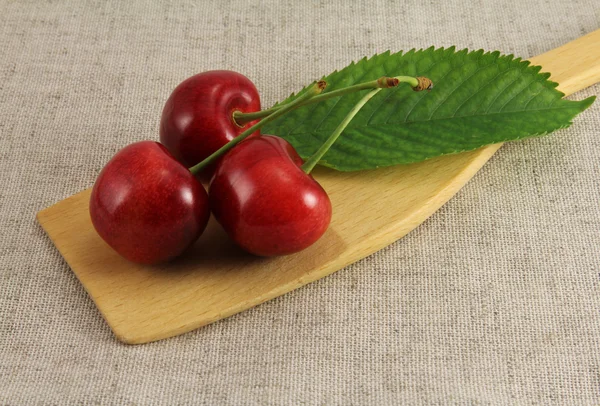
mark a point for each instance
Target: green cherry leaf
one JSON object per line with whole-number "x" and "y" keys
{"x": 477, "y": 99}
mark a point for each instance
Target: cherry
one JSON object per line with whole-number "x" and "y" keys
{"x": 197, "y": 119}
{"x": 212, "y": 159}
{"x": 146, "y": 205}
{"x": 262, "y": 192}
{"x": 265, "y": 201}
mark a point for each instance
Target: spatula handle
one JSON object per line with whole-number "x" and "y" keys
{"x": 575, "y": 65}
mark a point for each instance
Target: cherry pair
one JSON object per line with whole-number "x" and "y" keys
{"x": 150, "y": 208}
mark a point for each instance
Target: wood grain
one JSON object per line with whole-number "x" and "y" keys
{"x": 372, "y": 209}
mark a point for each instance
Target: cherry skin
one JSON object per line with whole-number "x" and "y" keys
{"x": 146, "y": 205}
{"x": 265, "y": 201}
{"x": 197, "y": 118}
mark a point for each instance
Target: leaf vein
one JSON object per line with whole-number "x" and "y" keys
{"x": 479, "y": 90}
{"x": 456, "y": 88}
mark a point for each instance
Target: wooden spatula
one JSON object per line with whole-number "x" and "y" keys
{"x": 216, "y": 279}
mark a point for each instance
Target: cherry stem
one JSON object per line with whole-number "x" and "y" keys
{"x": 415, "y": 82}
{"x": 309, "y": 165}
{"x": 316, "y": 89}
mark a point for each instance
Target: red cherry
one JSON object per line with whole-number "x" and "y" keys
{"x": 197, "y": 119}
{"x": 265, "y": 201}
{"x": 146, "y": 205}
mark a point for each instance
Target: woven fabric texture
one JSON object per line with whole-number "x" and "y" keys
{"x": 493, "y": 300}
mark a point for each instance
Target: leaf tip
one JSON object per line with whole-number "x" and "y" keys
{"x": 585, "y": 103}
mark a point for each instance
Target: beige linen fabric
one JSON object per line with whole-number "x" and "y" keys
{"x": 494, "y": 300}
